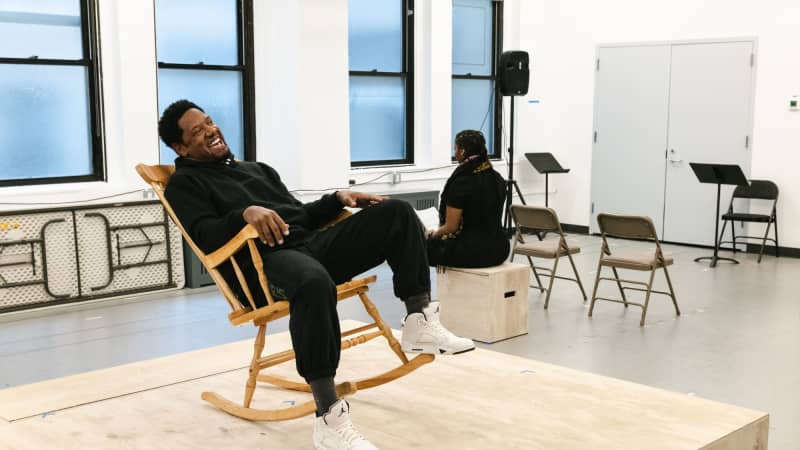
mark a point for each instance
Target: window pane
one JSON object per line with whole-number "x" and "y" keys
{"x": 377, "y": 118}
{"x": 44, "y": 28}
{"x": 472, "y": 37}
{"x": 191, "y": 31}
{"x": 473, "y": 108}
{"x": 375, "y": 35}
{"x": 218, "y": 92}
{"x": 44, "y": 122}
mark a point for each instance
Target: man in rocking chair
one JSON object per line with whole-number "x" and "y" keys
{"x": 214, "y": 196}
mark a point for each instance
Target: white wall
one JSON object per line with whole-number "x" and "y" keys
{"x": 302, "y": 91}
{"x": 562, "y": 38}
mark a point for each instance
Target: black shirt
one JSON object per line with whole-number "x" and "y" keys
{"x": 479, "y": 191}
{"x": 209, "y": 198}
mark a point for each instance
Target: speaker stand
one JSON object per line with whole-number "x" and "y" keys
{"x": 510, "y": 182}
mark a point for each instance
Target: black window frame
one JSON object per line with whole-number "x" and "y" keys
{"x": 245, "y": 43}
{"x": 497, "y": 46}
{"x": 407, "y": 74}
{"x": 90, "y": 46}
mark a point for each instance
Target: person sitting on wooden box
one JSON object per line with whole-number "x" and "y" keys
{"x": 470, "y": 232}
{"x": 214, "y": 196}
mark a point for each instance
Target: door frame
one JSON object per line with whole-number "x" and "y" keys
{"x": 751, "y": 39}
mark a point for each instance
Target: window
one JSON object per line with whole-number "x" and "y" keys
{"x": 381, "y": 83}
{"x": 477, "y": 39}
{"x": 50, "y": 130}
{"x": 205, "y": 55}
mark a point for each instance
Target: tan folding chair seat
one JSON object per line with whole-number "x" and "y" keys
{"x": 546, "y": 249}
{"x": 642, "y": 260}
{"x": 543, "y": 220}
{"x": 245, "y": 311}
{"x": 631, "y": 227}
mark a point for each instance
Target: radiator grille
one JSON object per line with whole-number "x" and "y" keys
{"x": 419, "y": 200}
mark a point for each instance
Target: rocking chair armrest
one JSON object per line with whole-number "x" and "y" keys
{"x": 344, "y": 214}
{"x": 230, "y": 248}
{"x": 247, "y": 233}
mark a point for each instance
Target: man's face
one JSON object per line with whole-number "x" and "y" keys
{"x": 202, "y": 139}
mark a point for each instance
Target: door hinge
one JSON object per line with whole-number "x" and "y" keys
{"x": 595, "y": 137}
{"x": 592, "y": 207}
{"x": 752, "y": 59}
{"x": 598, "y": 64}
{"x": 747, "y": 142}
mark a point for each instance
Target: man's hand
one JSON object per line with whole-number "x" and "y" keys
{"x": 271, "y": 228}
{"x": 358, "y": 199}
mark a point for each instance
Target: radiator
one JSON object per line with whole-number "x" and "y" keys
{"x": 419, "y": 200}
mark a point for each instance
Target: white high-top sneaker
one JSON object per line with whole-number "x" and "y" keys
{"x": 423, "y": 333}
{"x": 335, "y": 431}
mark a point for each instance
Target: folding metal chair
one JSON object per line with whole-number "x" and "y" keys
{"x": 759, "y": 190}
{"x": 543, "y": 220}
{"x": 631, "y": 227}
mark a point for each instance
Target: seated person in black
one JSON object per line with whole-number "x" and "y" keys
{"x": 214, "y": 196}
{"x": 470, "y": 210}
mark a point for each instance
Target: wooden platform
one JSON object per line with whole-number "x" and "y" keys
{"x": 479, "y": 400}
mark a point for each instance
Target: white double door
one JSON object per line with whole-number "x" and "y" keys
{"x": 658, "y": 108}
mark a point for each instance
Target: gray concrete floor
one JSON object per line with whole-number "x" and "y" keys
{"x": 737, "y": 341}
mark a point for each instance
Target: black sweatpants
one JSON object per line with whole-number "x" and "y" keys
{"x": 471, "y": 250}
{"x": 308, "y": 275}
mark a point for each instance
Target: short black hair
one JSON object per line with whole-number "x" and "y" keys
{"x": 472, "y": 142}
{"x": 168, "y": 128}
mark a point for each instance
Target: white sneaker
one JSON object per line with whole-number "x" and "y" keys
{"x": 423, "y": 333}
{"x": 335, "y": 431}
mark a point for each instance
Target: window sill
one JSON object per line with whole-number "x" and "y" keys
{"x": 45, "y": 196}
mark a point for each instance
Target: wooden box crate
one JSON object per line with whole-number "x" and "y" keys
{"x": 486, "y": 305}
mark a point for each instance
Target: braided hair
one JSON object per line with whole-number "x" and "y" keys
{"x": 473, "y": 143}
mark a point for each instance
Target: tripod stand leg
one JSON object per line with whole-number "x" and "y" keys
{"x": 507, "y": 225}
{"x": 507, "y": 220}
{"x": 519, "y": 192}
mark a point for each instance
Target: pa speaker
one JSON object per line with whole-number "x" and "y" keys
{"x": 514, "y": 74}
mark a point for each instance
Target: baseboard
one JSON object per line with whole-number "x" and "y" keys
{"x": 769, "y": 250}
{"x": 577, "y": 229}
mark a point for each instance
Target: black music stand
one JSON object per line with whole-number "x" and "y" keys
{"x": 718, "y": 174}
{"x": 545, "y": 163}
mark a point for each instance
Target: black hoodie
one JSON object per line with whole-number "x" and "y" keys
{"x": 209, "y": 198}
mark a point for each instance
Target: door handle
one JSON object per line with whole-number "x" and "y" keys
{"x": 675, "y": 160}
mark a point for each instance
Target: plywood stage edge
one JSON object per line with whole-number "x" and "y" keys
{"x": 478, "y": 400}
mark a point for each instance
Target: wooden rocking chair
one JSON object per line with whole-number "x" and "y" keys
{"x": 158, "y": 177}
